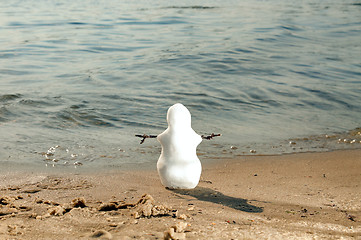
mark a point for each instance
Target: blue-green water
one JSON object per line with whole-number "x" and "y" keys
{"x": 79, "y": 78}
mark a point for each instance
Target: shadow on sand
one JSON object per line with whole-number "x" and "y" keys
{"x": 210, "y": 195}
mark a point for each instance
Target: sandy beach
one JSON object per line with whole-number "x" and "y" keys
{"x": 296, "y": 196}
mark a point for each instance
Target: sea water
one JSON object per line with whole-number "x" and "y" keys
{"x": 78, "y": 79}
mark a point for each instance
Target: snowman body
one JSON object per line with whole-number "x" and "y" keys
{"x": 178, "y": 165}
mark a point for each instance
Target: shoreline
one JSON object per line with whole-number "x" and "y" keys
{"x": 149, "y": 165}
{"x": 58, "y": 157}
{"x": 299, "y": 196}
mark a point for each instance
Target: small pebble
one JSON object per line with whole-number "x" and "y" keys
{"x": 191, "y": 208}
{"x": 234, "y": 147}
{"x": 182, "y": 217}
{"x": 252, "y": 151}
{"x": 48, "y": 155}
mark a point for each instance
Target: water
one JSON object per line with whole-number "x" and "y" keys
{"x": 78, "y": 79}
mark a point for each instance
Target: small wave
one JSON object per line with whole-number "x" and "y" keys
{"x": 85, "y": 118}
{"x": 327, "y": 99}
{"x": 5, "y": 114}
{"x": 112, "y": 49}
{"x": 190, "y": 7}
{"x": 243, "y": 50}
{"x": 30, "y": 25}
{"x": 36, "y": 103}
{"x": 9, "y": 97}
{"x": 291, "y": 28}
{"x": 192, "y": 94}
{"x": 161, "y": 22}
{"x": 14, "y": 72}
{"x": 77, "y": 23}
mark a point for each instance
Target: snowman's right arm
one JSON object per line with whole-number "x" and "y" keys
{"x": 209, "y": 137}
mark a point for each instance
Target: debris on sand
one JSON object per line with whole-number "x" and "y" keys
{"x": 57, "y": 211}
{"x": 78, "y": 203}
{"x": 351, "y": 217}
{"x": 146, "y": 207}
{"x": 14, "y": 230}
{"x": 108, "y": 206}
{"x": 7, "y": 211}
{"x": 178, "y": 215}
{"x": 8, "y": 206}
{"x": 114, "y": 205}
{"x": 60, "y": 210}
{"x": 5, "y": 200}
{"x": 176, "y": 231}
{"x": 101, "y": 234}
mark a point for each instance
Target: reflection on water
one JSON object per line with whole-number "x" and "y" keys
{"x": 93, "y": 74}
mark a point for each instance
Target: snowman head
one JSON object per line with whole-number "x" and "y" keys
{"x": 178, "y": 116}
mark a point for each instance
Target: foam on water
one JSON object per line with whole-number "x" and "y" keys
{"x": 88, "y": 76}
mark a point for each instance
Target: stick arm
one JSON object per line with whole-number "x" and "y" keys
{"x": 144, "y": 136}
{"x": 209, "y": 137}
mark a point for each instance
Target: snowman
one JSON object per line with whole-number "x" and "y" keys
{"x": 178, "y": 165}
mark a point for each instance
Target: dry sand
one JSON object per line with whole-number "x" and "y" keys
{"x": 297, "y": 196}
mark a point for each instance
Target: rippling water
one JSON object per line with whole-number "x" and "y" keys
{"x": 79, "y": 78}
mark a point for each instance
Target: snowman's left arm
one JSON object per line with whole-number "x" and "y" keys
{"x": 144, "y": 136}
{"x": 209, "y": 137}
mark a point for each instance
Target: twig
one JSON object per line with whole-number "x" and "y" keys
{"x": 209, "y": 137}
{"x": 144, "y": 136}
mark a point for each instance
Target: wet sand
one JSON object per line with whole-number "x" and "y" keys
{"x": 296, "y": 196}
